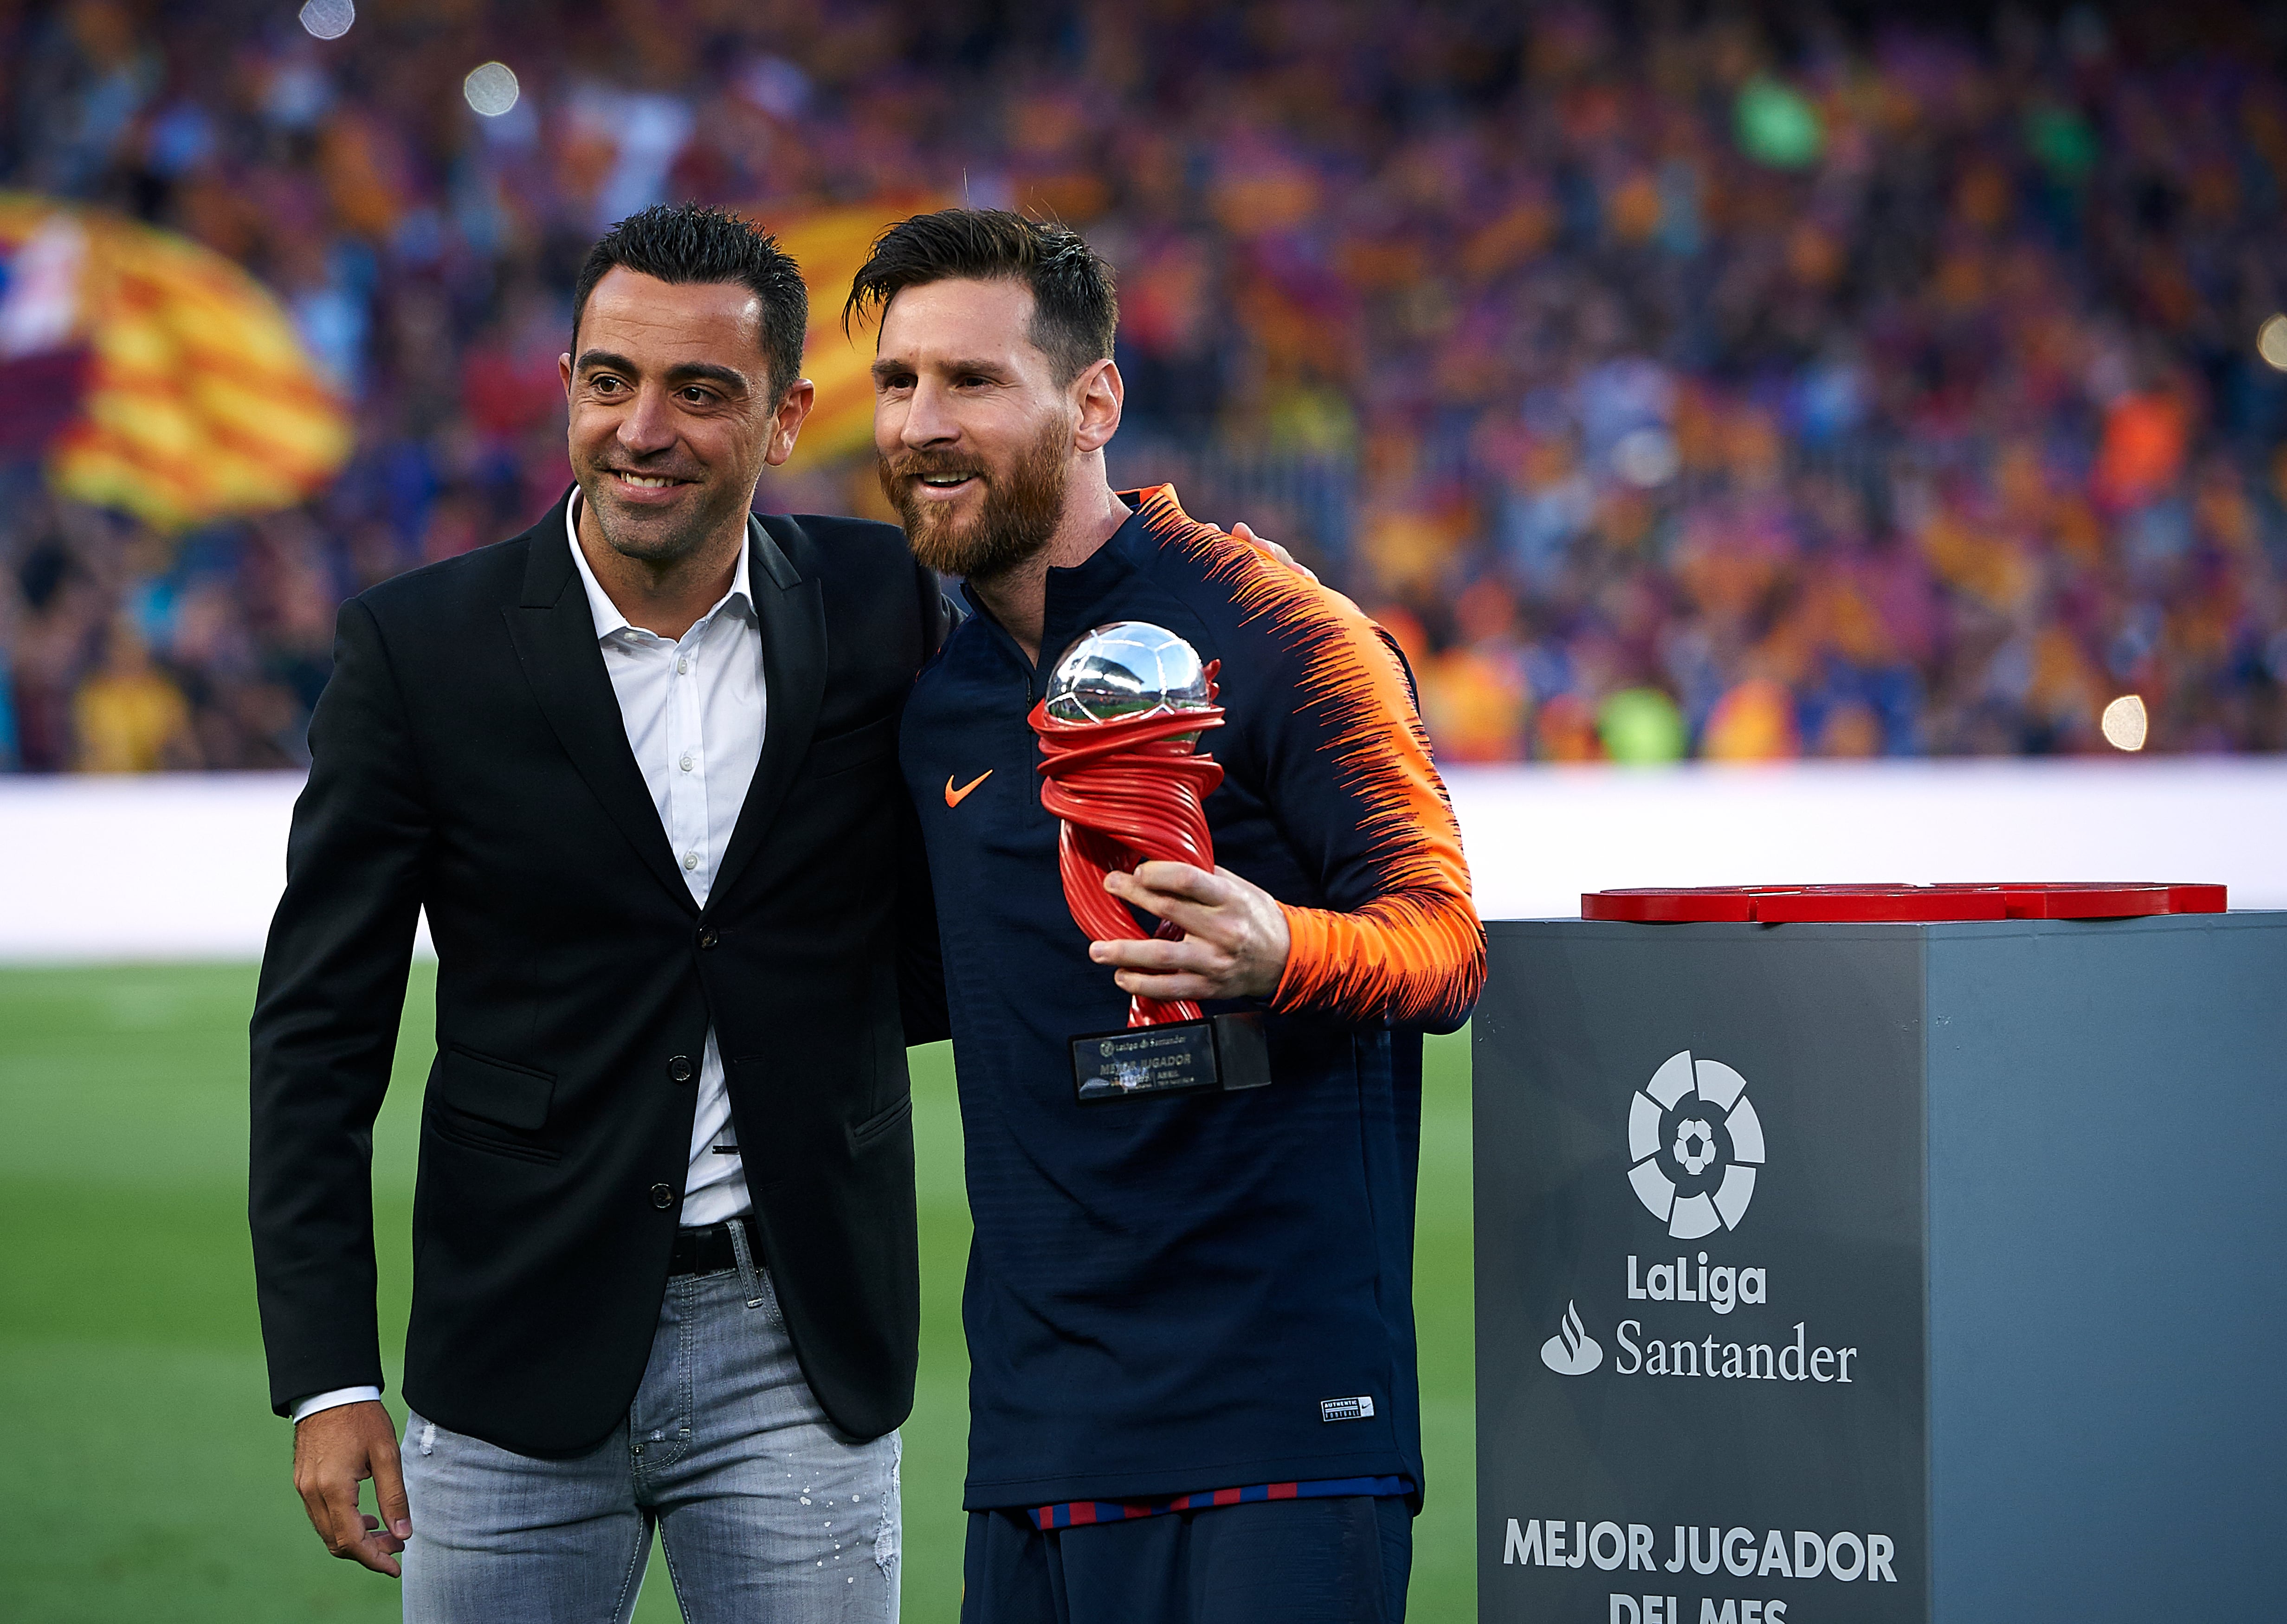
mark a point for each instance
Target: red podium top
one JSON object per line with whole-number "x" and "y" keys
{"x": 1798, "y": 904}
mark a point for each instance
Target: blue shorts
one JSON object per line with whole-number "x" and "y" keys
{"x": 1339, "y": 1561}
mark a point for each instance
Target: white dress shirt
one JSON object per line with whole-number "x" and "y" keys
{"x": 694, "y": 709}
{"x": 694, "y": 713}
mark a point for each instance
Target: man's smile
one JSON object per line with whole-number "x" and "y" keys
{"x": 633, "y": 487}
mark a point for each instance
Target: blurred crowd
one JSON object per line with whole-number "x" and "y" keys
{"x": 1672, "y": 381}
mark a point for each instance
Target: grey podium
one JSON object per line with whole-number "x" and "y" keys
{"x": 1883, "y": 1271}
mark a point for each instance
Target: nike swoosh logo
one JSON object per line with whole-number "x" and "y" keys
{"x": 954, "y": 797}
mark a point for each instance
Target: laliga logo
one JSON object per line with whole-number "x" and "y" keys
{"x": 1572, "y": 1352}
{"x": 1694, "y": 1141}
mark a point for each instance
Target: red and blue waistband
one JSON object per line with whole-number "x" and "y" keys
{"x": 1081, "y": 1513}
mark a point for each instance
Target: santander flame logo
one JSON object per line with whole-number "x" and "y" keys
{"x": 1572, "y": 1352}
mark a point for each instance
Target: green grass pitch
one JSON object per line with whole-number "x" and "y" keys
{"x": 146, "y": 1478}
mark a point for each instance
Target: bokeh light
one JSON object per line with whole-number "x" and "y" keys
{"x": 1646, "y": 457}
{"x": 2271, "y": 342}
{"x": 1777, "y": 127}
{"x": 328, "y": 19}
{"x": 2124, "y": 723}
{"x": 491, "y": 90}
{"x": 1642, "y": 726}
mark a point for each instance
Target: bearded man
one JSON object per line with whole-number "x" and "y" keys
{"x": 1192, "y": 1391}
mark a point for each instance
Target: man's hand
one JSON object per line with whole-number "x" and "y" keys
{"x": 1240, "y": 533}
{"x": 1234, "y": 942}
{"x": 335, "y": 1450}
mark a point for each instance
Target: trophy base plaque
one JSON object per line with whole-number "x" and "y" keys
{"x": 1223, "y": 1052}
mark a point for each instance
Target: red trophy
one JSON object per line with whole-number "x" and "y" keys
{"x": 1119, "y": 731}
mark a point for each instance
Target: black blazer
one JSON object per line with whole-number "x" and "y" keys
{"x": 468, "y": 757}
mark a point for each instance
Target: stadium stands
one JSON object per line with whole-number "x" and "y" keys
{"x": 1847, "y": 388}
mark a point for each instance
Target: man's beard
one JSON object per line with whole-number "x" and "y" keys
{"x": 1016, "y": 518}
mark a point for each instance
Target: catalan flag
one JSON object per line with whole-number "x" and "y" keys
{"x": 829, "y": 245}
{"x": 199, "y": 401}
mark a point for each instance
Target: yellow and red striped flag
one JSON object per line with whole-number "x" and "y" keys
{"x": 199, "y": 400}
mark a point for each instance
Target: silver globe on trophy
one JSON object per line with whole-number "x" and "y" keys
{"x": 1119, "y": 726}
{"x": 1128, "y": 668}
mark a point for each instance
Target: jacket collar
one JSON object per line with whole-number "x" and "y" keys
{"x": 555, "y": 631}
{"x": 790, "y": 609}
{"x": 606, "y": 614}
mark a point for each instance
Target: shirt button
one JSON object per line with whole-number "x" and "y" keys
{"x": 686, "y": 762}
{"x": 690, "y": 859}
{"x": 662, "y": 1196}
{"x": 681, "y": 667}
{"x": 678, "y": 1070}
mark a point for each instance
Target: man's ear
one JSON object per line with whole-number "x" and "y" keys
{"x": 1097, "y": 396}
{"x": 786, "y": 422}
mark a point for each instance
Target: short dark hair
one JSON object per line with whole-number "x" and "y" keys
{"x": 685, "y": 242}
{"x": 1075, "y": 303}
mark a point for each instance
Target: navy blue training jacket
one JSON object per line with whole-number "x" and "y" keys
{"x": 1163, "y": 1292}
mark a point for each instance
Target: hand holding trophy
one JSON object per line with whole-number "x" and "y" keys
{"x": 1119, "y": 731}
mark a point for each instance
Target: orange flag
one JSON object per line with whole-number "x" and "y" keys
{"x": 829, "y": 245}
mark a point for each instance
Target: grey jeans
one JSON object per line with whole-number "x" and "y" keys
{"x": 766, "y": 1512}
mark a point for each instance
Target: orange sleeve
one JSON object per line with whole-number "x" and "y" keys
{"x": 1415, "y": 954}
{"x": 1355, "y": 787}
{"x": 1414, "y": 958}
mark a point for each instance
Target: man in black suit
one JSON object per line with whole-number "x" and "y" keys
{"x": 638, "y": 765}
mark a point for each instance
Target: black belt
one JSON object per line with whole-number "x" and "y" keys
{"x": 709, "y": 1251}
